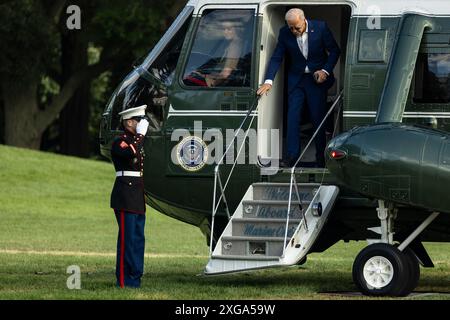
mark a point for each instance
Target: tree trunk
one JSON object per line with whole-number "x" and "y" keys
{"x": 74, "y": 124}
{"x": 20, "y": 112}
{"x": 74, "y": 118}
{"x": 24, "y": 121}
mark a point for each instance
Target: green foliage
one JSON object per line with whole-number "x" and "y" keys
{"x": 48, "y": 88}
{"x": 135, "y": 25}
{"x": 37, "y": 49}
{"x": 30, "y": 38}
{"x": 29, "y": 41}
{"x": 128, "y": 30}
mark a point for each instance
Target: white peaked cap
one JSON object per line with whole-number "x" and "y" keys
{"x": 133, "y": 112}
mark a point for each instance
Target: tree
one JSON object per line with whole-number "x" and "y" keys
{"x": 74, "y": 118}
{"x": 23, "y": 57}
{"x": 38, "y": 53}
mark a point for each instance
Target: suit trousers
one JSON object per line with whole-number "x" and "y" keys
{"x": 130, "y": 249}
{"x": 315, "y": 97}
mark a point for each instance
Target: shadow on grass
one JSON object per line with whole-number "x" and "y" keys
{"x": 312, "y": 281}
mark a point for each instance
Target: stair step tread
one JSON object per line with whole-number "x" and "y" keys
{"x": 300, "y": 170}
{"x": 275, "y": 202}
{"x": 256, "y": 238}
{"x": 266, "y": 220}
{"x": 282, "y": 184}
{"x": 254, "y": 257}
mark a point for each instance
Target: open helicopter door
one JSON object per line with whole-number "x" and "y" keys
{"x": 272, "y": 110}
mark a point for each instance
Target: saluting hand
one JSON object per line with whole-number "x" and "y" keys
{"x": 264, "y": 89}
{"x": 142, "y": 127}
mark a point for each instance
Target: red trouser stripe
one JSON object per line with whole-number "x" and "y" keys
{"x": 122, "y": 248}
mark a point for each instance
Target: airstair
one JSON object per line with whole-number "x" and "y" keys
{"x": 262, "y": 234}
{"x": 275, "y": 224}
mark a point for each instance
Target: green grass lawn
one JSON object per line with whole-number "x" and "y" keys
{"x": 55, "y": 213}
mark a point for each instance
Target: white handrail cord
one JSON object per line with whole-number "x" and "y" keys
{"x": 213, "y": 214}
{"x": 293, "y": 180}
{"x": 239, "y": 152}
{"x": 217, "y": 171}
{"x": 255, "y": 104}
{"x": 317, "y": 130}
{"x": 334, "y": 134}
{"x": 224, "y": 187}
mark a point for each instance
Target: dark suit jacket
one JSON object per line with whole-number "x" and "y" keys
{"x": 320, "y": 40}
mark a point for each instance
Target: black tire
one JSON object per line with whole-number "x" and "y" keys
{"x": 302, "y": 261}
{"x": 414, "y": 271}
{"x": 396, "y": 266}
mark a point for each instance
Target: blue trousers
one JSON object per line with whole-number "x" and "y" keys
{"x": 315, "y": 96}
{"x": 130, "y": 249}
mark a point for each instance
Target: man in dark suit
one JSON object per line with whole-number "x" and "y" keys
{"x": 312, "y": 54}
{"x": 127, "y": 197}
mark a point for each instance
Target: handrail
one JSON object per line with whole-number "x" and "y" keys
{"x": 217, "y": 178}
{"x": 317, "y": 130}
{"x": 293, "y": 181}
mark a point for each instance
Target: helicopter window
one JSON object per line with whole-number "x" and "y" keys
{"x": 136, "y": 91}
{"x": 150, "y": 88}
{"x": 372, "y": 46}
{"x": 163, "y": 68}
{"x": 432, "y": 83}
{"x": 222, "y": 50}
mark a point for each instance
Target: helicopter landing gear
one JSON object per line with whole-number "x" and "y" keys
{"x": 383, "y": 268}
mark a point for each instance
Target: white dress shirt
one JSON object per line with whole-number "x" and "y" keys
{"x": 302, "y": 42}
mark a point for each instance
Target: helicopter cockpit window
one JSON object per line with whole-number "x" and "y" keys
{"x": 163, "y": 68}
{"x": 432, "y": 78}
{"x": 222, "y": 50}
{"x": 148, "y": 84}
{"x": 136, "y": 91}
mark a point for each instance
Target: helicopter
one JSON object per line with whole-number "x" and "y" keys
{"x": 213, "y": 150}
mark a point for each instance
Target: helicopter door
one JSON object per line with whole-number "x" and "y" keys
{"x": 272, "y": 110}
{"x": 214, "y": 88}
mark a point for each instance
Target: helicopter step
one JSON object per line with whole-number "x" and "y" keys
{"x": 256, "y": 235}
{"x": 272, "y": 209}
{"x": 280, "y": 191}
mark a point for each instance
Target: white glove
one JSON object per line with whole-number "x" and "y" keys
{"x": 142, "y": 127}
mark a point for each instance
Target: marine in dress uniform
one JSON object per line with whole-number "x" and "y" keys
{"x": 127, "y": 197}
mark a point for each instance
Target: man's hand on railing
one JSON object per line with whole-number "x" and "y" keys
{"x": 264, "y": 89}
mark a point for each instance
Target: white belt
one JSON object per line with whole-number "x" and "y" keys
{"x": 128, "y": 174}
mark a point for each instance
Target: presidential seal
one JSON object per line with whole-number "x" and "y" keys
{"x": 192, "y": 153}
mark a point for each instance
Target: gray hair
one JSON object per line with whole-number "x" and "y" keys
{"x": 295, "y": 13}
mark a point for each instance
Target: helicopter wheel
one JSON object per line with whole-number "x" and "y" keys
{"x": 382, "y": 270}
{"x": 414, "y": 271}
